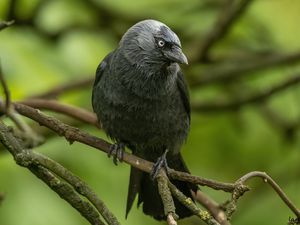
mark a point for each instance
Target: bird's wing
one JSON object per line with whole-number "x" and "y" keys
{"x": 100, "y": 70}
{"x": 102, "y": 66}
{"x": 184, "y": 94}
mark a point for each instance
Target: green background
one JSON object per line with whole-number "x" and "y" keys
{"x": 221, "y": 146}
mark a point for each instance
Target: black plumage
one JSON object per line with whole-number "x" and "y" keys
{"x": 141, "y": 98}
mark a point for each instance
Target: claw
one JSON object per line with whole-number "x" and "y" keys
{"x": 117, "y": 151}
{"x": 161, "y": 162}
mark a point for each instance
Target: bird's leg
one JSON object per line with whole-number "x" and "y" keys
{"x": 161, "y": 162}
{"x": 117, "y": 151}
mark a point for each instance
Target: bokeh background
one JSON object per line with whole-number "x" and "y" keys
{"x": 58, "y": 41}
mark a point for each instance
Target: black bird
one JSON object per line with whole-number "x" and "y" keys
{"x": 141, "y": 98}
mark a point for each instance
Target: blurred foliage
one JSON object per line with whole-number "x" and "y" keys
{"x": 55, "y": 42}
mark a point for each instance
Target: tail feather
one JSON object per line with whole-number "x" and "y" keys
{"x": 141, "y": 183}
{"x": 134, "y": 187}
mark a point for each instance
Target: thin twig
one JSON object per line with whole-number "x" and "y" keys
{"x": 267, "y": 179}
{"x": 211, "y": 206}
{"x": 69, "y": 110}
{"x": 65, "y": 88}
{"x": 258, "y": 97}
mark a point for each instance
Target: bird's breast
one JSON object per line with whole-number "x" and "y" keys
{"x": 145, "y": 123}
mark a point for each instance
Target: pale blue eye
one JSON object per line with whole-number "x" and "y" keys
{"x": 161, "y": 43}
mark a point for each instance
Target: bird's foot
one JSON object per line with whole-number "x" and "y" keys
{"x": 160, "y": 163}
{"x": 117, "y": 151}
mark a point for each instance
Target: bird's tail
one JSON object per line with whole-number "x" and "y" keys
{"x": 141, "y": 183}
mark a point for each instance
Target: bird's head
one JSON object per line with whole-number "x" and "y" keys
{"x": 150, "y": 43}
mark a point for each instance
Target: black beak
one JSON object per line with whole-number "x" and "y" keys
{"x": 175, "y": 54}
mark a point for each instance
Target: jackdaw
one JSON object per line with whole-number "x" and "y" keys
{"x": 141, "y": 99}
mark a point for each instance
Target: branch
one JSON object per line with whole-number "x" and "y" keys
{"x": 227, "y": 187}
{"x": 61, "y": 128}
{"x": 166, "y": 197}
{"x": 165, "y": 188}
{"x": 63, "y": 189}
{"x": 80, "y": 186}
{"x": 73, "y": 134}
{"x": 259, "y": 97}
{"x": 69, "y": 110}
{"x": 223, "y": 74}
{"x": 230, "y": 206}
{"x": 202, "y": 214}
{"x": 230, "y": 14}
{"x": 67, "y": 193}
{"x": 64, "y": 88}
{"x": 267, "y": 179}
{"x": 211, "y": 206}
